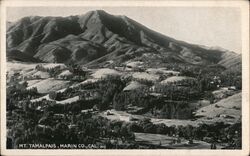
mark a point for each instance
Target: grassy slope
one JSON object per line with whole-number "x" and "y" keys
{"x": 48, "y": 85}
{"x": 225, "y": 107}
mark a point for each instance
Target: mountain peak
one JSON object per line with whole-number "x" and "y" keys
{"x": 100, "y": 12}
{"x": 97, "y": 37}
{"x": 97, "y": 13}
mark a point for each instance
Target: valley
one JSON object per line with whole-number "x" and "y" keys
{"x": 119, "y": 96}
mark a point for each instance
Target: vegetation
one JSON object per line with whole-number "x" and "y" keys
{"x": 76, "y": 122}
{"x": 47, "y": 128}
{"x": 219, "y": 132}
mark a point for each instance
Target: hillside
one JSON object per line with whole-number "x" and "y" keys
{"x": 225, "y": 109}
{"x": 97, "y": 38}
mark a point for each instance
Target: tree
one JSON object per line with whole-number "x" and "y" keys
{"x": 52, "y": 95}
{"x": 161, "y": 128}
{"x": 133, "y": 127}
{"x": 118, "y": 101}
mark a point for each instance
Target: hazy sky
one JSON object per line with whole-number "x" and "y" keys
{"x": 201, "y": 25}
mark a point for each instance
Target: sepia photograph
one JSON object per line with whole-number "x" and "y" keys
{"x": 115, "y": 77}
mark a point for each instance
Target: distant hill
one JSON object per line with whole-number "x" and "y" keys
{"x": 97, "y": 37}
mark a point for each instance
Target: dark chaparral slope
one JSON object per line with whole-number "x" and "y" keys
{"x": 97, "y": 37}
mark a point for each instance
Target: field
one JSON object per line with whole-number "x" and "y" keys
{"x": 101, "y": 73}
{"x": 145, "y": 76}
{"x": 49, "y": 85}
{"x": 169, "y": 142}
{"x": 20, "y": 67}
{"x": 227, "y": 109}
{"x": 176, "y": 79}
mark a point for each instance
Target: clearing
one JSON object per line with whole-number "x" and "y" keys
{"x": 104, "y": 72}
{"x": 228, "y": 109}
{"x": 145, "y": 76}
{"x": 167, "y": 141}
{"x": 48, "y": 85}
{"x": 177, "y": 79}
{"x": 133, "y": 85}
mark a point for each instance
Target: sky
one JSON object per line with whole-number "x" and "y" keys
{"x": 209, "y": 26}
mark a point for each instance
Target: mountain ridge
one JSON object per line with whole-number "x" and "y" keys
{"x": 86, "y": 38}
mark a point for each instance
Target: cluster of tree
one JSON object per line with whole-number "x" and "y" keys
{"x": 232, "y": 78}
{"x": 201, "y": 71}
{"x": 105, "y": 89}
{"x": 135, "y": 97}
{"x": 172, "y": 110}
{"x": 68, "y": 93}
{"x": 44, "y": 128}
{"x": 108, "y": 87}
{"x": 74, "y": 107}
{"x": 209, "y": 96}
{"x": 73, "y": 91}
{"x": 177, "y": 66}
{"x": 21, "y": 125}
{"x": 206, "y": 74}
{"x": 226, "y": 77}
{"x": 17, "y": 95}
{"x": 77, "y": 70}
{"x": 173, "y": 92}
{"x": 53, "y": 72}
{"x": 146, "y": 126}
{"x": 162, "y": 106}
{"x": 219, "y": 132}
{"x": 207, "y": 84}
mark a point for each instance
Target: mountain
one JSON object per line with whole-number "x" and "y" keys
{"x": 20, "y": 56}
{"x": 95, "y": 38}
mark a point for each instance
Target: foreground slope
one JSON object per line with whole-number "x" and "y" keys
{"x": 225, "y": 109}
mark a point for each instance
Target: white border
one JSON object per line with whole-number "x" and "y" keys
{"x": 243, "y": 5}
